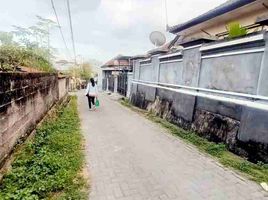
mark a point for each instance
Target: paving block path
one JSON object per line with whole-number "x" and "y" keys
{"x": 131, "y": 158}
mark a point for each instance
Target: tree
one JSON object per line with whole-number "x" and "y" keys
{"x": 6, "y": 38}
{"x": 24, "y": 35}
{"x": 37, "y": 37}
{"x": 86, "y": 71}
{"x": 43, "y": 27}
{"x": 38, "y": 33}
{"x": 32, "y": 50}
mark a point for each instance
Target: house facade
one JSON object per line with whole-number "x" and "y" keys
{"x": 251, "y": 14}
{"x": 116, "y": 65}
{"x": 115, "y": 74}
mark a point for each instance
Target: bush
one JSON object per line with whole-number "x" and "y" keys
{"x": 235, "y": 30}
{"x": 12, "y": 56}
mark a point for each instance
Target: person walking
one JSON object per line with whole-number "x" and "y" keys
{"x": 91, "y": 92}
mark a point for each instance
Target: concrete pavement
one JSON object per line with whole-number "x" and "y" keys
{"x": 131, "y": 158}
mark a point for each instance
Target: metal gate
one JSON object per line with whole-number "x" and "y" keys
{"x": 122, "y": 84}
{"x": 104, "y": 84}
{"x": 111, "y": 83}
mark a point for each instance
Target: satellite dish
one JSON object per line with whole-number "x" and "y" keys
{"x": 157, "y": 38}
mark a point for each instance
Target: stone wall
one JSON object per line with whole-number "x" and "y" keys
{"x": 24, "y": 99}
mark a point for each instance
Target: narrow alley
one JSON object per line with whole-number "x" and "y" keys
{"x": 131, "y": 158}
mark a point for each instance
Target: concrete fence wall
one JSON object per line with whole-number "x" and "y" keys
{"x": 236, "y": 73}
{"x": 63, "y": 83}
{"x": 129, "y": 80}
{"x": 24, "y": 100}
{"x": 215, "y": 89}
{"x": 171, "y": 73}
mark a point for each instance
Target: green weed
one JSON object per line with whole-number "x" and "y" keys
{"x": 50, "y": 163}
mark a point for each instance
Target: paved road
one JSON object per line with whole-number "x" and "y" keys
{"x": 131, "y": 158}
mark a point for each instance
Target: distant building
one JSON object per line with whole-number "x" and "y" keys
{"x": 116, "y": 65}
{"x": 63, "y": 65}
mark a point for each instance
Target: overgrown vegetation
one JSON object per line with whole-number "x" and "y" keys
{"x": 12, "y": 56}
{"x": 256, "y": 172}
{"x": 235, "y": 30}
{"x": 48, "y": 167}
{"x": 27, "y": 47}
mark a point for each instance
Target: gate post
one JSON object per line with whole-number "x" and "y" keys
{"x": 129, "y": 83}
{"x": 115, "y": 83}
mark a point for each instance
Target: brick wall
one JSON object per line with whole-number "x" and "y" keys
{"x": 24, "y": 100}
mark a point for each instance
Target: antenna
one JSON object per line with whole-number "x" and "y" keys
{"x": 166, "y": 10}
{"x": 157, "y": 38}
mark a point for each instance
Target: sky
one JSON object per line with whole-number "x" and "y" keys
{"x": 104, "y": 28}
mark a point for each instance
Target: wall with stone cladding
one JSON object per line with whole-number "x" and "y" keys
{"x": 24, "y": 99}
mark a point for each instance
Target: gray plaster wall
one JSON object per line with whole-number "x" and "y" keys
{"x": 263, "y": 78}
{"x": 236, "y": 73}
{"x": 182, "y": 105}
{"x": 146, "y": 72}
{"x": 155, "y": 69}
{"x": 147, "y": 92}
{"x": 171, "y": 73}
{"x": 149, "y": 72}
{"x": 134, "y": 89}
{"x": 136, "y": 69}
{"x": 254, "y": 126}
{"x": 231, "y": 110}
{"x": 191, "y": 67}
{"x": 243, "y": 73}
{"x": 129, "y": 81}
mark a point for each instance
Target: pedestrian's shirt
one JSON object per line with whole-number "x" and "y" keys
{"x": 91, "y": 91}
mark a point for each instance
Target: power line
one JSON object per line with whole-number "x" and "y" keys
{"x": 71, "y": 28}
{"x": 58, "y": 22}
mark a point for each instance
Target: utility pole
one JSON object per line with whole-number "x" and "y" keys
{"x": 71, "y": 28}
{"x": 48, "y": 41}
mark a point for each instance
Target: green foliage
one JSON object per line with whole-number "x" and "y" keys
{"x": 48, "y": 166}
{"x": 235, "y": 30}
{"x": 6, "y": 38}
{"x": 36, "y": 36}
{"x": 84, "y": 71}
{"x": 12, "y": 56}
{"x": 31, "y": 49}
{"x": 256, "y": 172}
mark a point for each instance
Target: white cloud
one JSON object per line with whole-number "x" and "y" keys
{"x": 105, "y": 28}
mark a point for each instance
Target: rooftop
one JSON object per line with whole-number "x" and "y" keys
{"x": 119, "y": 60}
{"x": 226, "y": 7}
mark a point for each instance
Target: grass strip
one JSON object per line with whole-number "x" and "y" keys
{"x": 49, "y": 165}
{"x": 256, "y": 172}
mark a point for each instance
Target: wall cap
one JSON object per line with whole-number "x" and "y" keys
{"x": 233, "y": 42}
{"x": 170, "y": 55}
